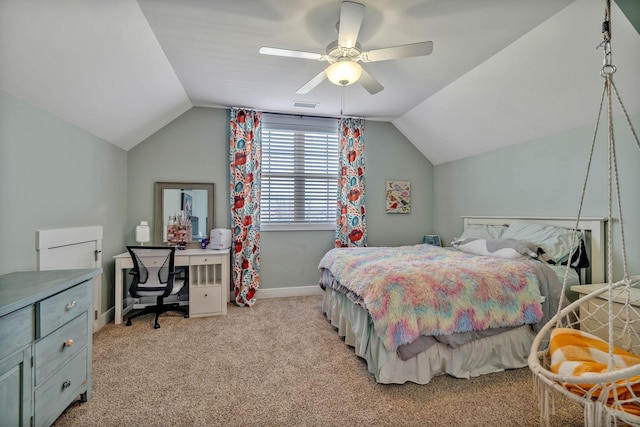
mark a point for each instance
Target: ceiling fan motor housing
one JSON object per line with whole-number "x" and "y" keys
{"x": 335, "y": 52}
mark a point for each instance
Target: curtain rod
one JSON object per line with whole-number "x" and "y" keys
{"x": 297, "y": 115}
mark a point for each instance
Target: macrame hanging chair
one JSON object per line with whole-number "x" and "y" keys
{"x": 599, "y": 369}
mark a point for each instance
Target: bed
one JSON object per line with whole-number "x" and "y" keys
{"x": 370, "y": 296}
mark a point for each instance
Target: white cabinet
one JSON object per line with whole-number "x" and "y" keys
{"x": 209, "y": 283}
{"x": 594, "y": 313}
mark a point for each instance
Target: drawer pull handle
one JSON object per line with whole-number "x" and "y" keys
{"x": 66, "y": 384}
{"x": 206, "y": 295}
{"x": 68, "y": 343}
{"x": 70, "y": 305}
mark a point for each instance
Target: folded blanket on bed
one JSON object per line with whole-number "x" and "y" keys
{"x": 577, "y": 353}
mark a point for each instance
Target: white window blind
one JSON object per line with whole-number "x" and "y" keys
{"x": 299, "y": 173}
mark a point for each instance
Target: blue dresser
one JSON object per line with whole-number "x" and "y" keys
{"x": 46, "y": 336}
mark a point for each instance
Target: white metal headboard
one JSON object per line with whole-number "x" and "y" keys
{"x": 594, "y": 228}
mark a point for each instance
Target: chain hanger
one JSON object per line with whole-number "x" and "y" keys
{"x": 607, "y": 67}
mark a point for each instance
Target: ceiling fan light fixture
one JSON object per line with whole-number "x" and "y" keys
{"x": 344, "y": 73}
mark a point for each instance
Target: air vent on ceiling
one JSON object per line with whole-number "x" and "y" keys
{"x": 305, "y": 104}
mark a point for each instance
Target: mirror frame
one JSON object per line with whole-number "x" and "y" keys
{"x": 158, "y": 215}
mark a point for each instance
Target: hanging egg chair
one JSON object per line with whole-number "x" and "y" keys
{"x": 590, "y": 350}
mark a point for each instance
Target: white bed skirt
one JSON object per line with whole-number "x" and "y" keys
{"x": 508, "y": 350}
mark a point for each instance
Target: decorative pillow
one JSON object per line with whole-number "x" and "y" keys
{"x": 502, "y": 248}
{"x": 555, "y": 241}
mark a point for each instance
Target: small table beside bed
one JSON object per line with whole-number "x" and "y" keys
{"x": 414, "y": 312}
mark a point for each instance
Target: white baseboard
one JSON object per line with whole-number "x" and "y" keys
{"x": 296, "y": 291}
{"x": 103, "y": 319}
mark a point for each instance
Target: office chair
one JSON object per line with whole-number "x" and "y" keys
{"x": 154, "y": 275}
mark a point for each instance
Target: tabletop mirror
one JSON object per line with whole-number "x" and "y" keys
{"x": 183, "y": 213}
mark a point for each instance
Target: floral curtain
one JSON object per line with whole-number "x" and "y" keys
{"x": 351, "y": 229}
{"x": 245, "y": 152}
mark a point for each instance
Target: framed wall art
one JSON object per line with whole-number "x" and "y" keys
{"x": 398, "y": 197}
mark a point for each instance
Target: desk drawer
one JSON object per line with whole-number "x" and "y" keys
{"x": 205, "y": 259}
{"x": 57, "y": 310}
{"x": 55, "y": 394}
{"x": 53, "y": 351}
{"x": 205, "y": 301}
{"x": 16, "y": 331}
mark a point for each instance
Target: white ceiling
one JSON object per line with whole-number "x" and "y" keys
{"x": 502, "y": 71}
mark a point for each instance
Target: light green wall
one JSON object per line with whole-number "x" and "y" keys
{"x": 544, "y": 177}
{"x": 631, "y": 9}
{"x": 288, "y": 258}
{"x": 54, "y": 175}
{"x": 192, "y": 148}
{"x": 391, "y": 157}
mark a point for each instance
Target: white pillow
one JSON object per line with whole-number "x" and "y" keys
{"x": 482, "y": 231}
{"x": 501, "y": 248}
{"x": 555, "y": 241}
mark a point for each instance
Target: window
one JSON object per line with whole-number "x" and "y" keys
{"x": 299, "y": 173}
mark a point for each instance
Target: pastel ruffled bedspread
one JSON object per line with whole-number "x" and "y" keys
{"x": 427, "y": 290}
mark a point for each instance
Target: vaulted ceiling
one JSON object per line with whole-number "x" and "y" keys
{"x": 501, "y": 72}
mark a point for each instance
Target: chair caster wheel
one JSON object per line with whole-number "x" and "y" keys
{"x": 128, "y": 322}
{"x": 156, "y": 326}
{"x": 186, "y": 316}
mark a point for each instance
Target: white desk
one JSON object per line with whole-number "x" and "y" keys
{"x": 208, "y": 281}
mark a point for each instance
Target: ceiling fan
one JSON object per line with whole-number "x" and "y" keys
{"x": 344, "y": 54}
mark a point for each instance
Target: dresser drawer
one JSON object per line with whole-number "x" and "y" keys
{"x": 594, "y": 315}
{"x": 599, "y": 308}
{"x": 205, "y": 300}
{"x": 61, "y": 389}
{"x": 602, "y": 331}
{"x": 16, "y": 331}
{"x": 54, "y": 350}
{"x": 57, "y": 310}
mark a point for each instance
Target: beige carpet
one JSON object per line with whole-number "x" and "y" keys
{"x": 279, "y": 363}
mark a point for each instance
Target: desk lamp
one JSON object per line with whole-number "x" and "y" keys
{"x": 142, "y": 233}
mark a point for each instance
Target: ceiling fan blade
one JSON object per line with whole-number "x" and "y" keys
{"x": 397, "y": 52}
{"x": 369, "y": 83}
{"x": 351, "y": 16}
{"x": 308, "y": 86}
{"x": 290, "y": 53}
